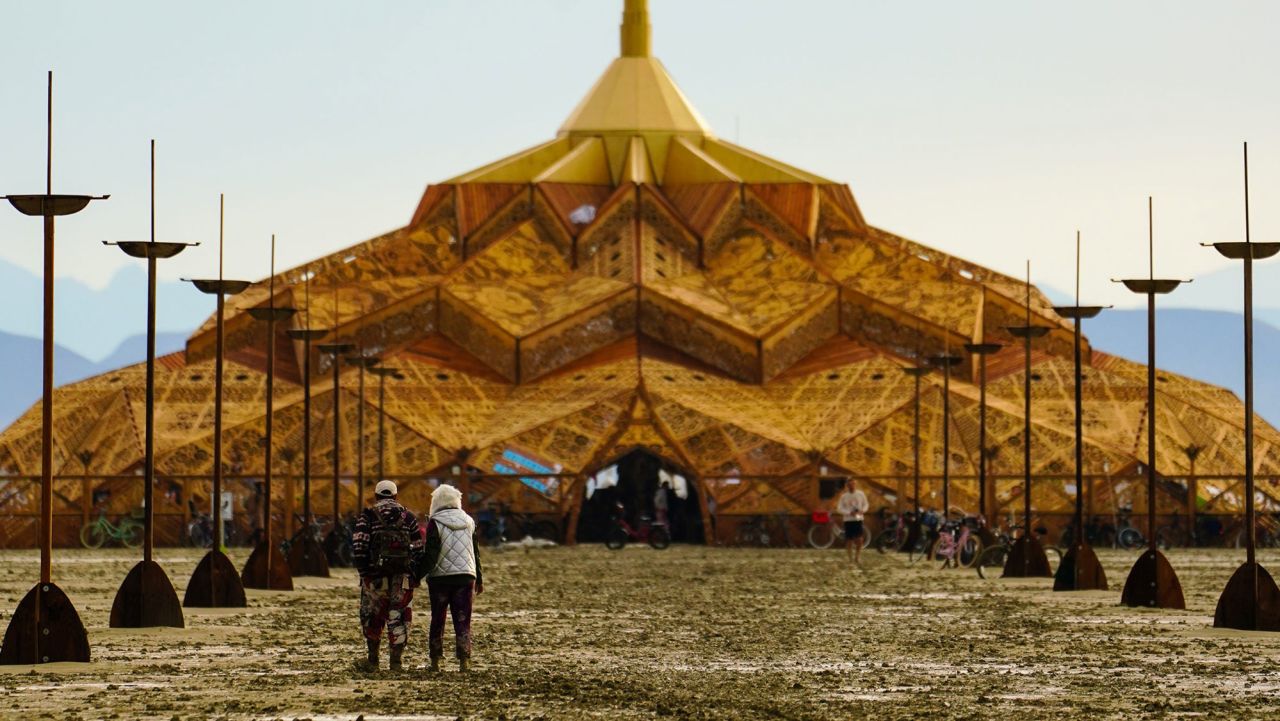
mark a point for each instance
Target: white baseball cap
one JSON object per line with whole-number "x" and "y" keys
{"x": 386, "y": 489}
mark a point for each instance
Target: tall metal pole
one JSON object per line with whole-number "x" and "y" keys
{"x": 982, "y": 350}
{"x": 946, "y": 362}
{"x": 45, "y": 626}
{"x": 146, "y": 598}
{"x": 382, "y": 421}
{"x": 334, "y": 541}
{"x": 306, "y": 556}
{"x": 382, "y": 373}
{"x": 1251, "y": 599}
{"x": 215, "y": 582}
{"x": 1080, "y": 569}
{"x": 360, "y": 442}
{"x": 913, "y": 532}
{"x": 263, "y": 569}
{"x": 149, "y": 456}
{"x": 46, "y": 407}
{"x": 363, "y": 363}
{"x": 1027, "y": 557}
{"x": 1152, "y": 580}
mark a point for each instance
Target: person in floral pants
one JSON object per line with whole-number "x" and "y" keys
{"x": 387, "y": 549}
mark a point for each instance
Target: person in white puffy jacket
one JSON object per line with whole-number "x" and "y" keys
{"x": 451, "y": 565}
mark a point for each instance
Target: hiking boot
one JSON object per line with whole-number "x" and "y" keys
{"x": 396, "y": 652}
{"x": 435, "y": 665}
{"x": 372, "y": 661}
{"x": 464, "y": 665}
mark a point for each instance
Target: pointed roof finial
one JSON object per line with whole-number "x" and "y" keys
{"x": 636, "y": 31}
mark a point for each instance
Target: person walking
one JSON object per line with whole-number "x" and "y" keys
{"x": 852, "y": 507}
{"x": 661, "y": 502}
{"x": 386, "y": 547}
{"x": 452, "y": 567}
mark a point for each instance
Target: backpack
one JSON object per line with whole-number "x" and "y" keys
{"x": 389, "y": 553}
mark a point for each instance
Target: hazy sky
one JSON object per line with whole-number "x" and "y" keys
{"x": 991, "y": 130}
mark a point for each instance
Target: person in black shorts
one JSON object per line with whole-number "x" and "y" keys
{"x": 852, "y": 508}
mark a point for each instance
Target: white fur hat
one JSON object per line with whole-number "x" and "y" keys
{"x": 445, "y": 496}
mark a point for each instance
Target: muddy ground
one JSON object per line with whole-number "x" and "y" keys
{"x": 688, "y": 633}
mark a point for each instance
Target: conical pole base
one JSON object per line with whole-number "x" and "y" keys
{"x": 1026, "y": 559}
{"x": 306, "y": 558}
{"x": 214, "y": 584}
{"x": 1080, "y": 570}
{"x": 146, "y": 599}
{"x": 45, "y": 628}
{"x": 333, "y": 550}
{"x": 255, "y": 569}
{"x": 1152, "y": 583}
{"x": 1238, "y": 607}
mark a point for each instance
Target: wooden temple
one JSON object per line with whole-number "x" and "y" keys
{"x": 637, "y": 282}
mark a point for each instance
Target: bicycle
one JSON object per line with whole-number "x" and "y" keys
{"x": 957, "y": 545}
{"x": 1127, "y": 535}
{"x": 894, "y": 536}
{"x": 497, "y": 525}
{"x": 655, "y": 534}
{"x": 1097, "y": 533}
{"x": 315, "y": 529}
{"x": 96, "y": 533}
{"x": 824, "y": 531}
{"x": 338, "y": 546}
{"x": 753, "y": 532}
{"x": 993, "y": 557}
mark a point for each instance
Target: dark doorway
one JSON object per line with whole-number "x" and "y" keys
{"x": 637, "y": 486}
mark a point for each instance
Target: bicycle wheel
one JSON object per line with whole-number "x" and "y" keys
{"x": 886, "y": 541}
{"x": 919, "y": 551}
{"x": 1130, "y": 538}
{"x": 92, "y": 535}
{"x": 131, "y": 534}
{"x": 821, "y": 535}
{"x": 659, "y": 538}
{"x": 969, "y": 552}
{"x": 617, "y": 538}
{"x": 990, "y": 560}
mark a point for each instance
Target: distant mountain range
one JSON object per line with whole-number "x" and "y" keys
{"x": 1203, "y": 344}
{"x": 91, "y": 322}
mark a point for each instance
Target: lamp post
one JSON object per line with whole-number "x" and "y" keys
{"x": 383, "y": 373}
{"x": 45, "y": 627}
{"x": 982, "y": 350}
{"x": 333, "y": 542}
{"x": 364, "y": 363}
{"x": 1027, "y": 557}
{"x": 267, "y": 567}
{"x": 1250, "y": 600}
{"x": 146, "y": 598}
{"x": 215, "y": 582}
{"x": 946, "y": 362}
{"x": 306, "y": 557}
{"x": 1080, "y": 569}
{"x": 914, "y": 530}
{"x": 1152, "y": 580}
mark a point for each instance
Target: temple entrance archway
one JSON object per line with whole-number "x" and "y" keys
{"x": 633, "y": 481}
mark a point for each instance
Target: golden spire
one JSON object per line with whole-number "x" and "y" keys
{"x": 636, "y": 31}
